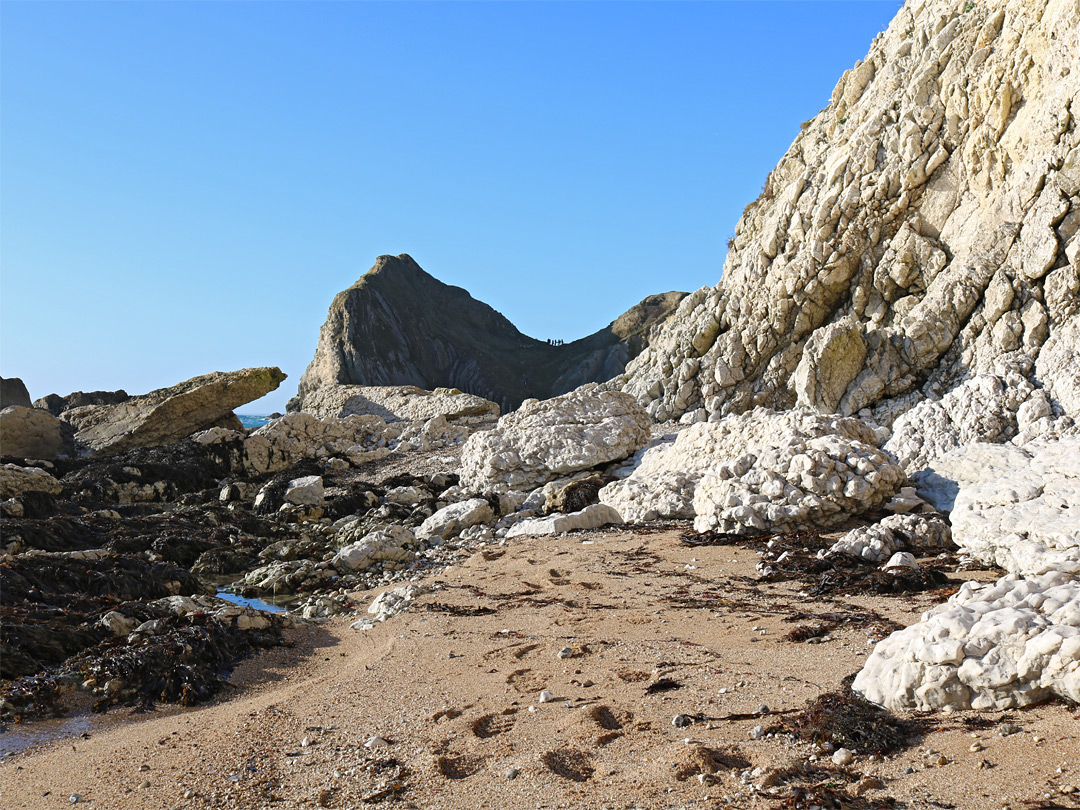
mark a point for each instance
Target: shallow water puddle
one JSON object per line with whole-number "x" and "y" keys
{"x": 19, "y": 736}
{"x": 252, "y": 602}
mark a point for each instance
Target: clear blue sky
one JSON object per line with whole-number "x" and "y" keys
{"x": 185, "y": 186}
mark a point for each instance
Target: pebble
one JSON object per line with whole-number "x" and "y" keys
{"x": 145, "y": 785}
{"x": 842, "y": 757}
{"x": 74, "y": 798}
{"x": 189, "y": 794}
{"x": 1068, "y": 790}
{"x": 909, "y": 769}
{"x": 546, "y": 696}
{"x": 376, "y": 742}
{"x": 681, "y": 721}
{"x": 144, "y": 767}
{"x": 762, "y": 709}
{"x": 976, "y": 746}
{"x": 1006, "y": 729}
{"x": 941, "y": 760}
{"x": 566, "y": 652}
{"x": 512, "y": 773}
{"x": 307, "y": 742}
{"x": 757, "y": 732}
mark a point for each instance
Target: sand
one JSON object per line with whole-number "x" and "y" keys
{"x": 452, "y": 688}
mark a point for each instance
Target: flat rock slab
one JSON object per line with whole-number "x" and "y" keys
{"x": 591, "y": 517}
{"x": 170, "y": 414}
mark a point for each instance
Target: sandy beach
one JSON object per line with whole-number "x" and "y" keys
{"x": 440, "y": 707}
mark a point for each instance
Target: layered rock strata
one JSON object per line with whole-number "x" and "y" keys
{"x": 398, "y": 325}
{"x": 921, "y": 230}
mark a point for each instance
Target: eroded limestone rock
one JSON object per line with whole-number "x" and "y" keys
{"x": 15, "y": 480}
{"x": 999, "y": 646}
{"x": 663, "y": 481}
{"x": 921, "y": 231}
{"x": 546, "y": 440}
{"x": 396, "y": 403}
{"x": 591, "y": 517}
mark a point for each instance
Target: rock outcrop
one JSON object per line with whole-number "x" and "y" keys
{"x": 398, "y": 326}
{"x": 13, "y": 392}
{"x": 169, "y": 414}
{"x": 921, "y": 231}
{"x": 56, "y": 404}
{"x": 543, "y": 441}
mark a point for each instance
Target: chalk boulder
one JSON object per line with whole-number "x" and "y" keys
{"x": 550, "y": 439}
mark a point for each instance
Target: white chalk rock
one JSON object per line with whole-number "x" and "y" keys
{"x": 296, "y": 436}
{"x": 664, "y": 478}
{"x": 591, "y": 517}
{"x": 1025, "y": 520}
{"x": 874, "y": 543}
{"x": 306, "y": 491}
{"x": 542, "y": 441}
{"x": 453, "y": 519}
{"x": 798, "y": 484}
{"x": 391, "y": 544}
{"x": 995, "y": 647}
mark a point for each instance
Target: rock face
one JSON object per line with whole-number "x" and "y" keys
{"x": 56, "y": 404}
{"x": 921, "y": 231}
{"x": 1029, "y": 518}
{"x": 169, "y": 414}
{"x": 400, "y": 326}
{"x": 1014, "y": 643}
{"x": 546, "y": 440}
{"x": 29, "y": 433}
{"x": 13, "y": 392}
{"x": 400, "y": 403}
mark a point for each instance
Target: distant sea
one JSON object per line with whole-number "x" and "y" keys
{"x": 252, "y": 420}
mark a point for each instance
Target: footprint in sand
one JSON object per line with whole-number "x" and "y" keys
{"x": 459, "y": 766}
{"x": 525, "y": 681}
{"x": 610, "y": 719}
{"x": 568, "y": 763}
{"x": 491, "y": 725}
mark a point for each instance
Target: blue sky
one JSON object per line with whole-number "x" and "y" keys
{"x": 184, "y": 186}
